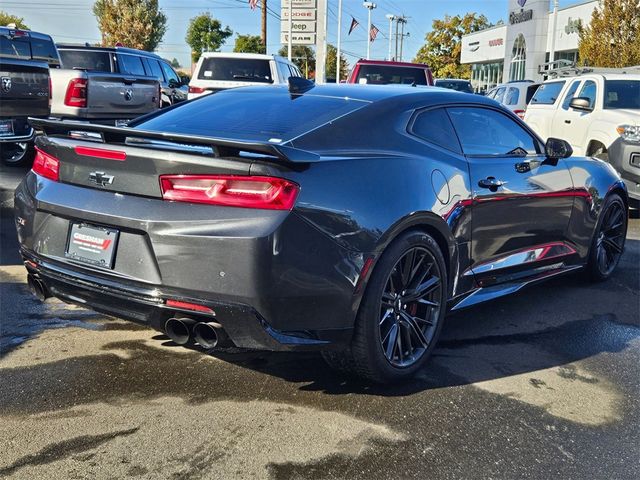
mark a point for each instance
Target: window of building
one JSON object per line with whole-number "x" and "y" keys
{"x": 486, "y": 132}
{"x": 485, "y": 76}
{"x": 435, "y": 127}
{"x": 518, "y": 59}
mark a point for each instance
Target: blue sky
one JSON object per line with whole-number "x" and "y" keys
{"x": 72, "y": 21}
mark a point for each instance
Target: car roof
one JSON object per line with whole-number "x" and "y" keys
{"x": 424, "y": 95}
{"x": 42, "y": 36}
{"x": 79, "y": 46}
{"x": 254, "y": 56}
{"x": 390, "y": 63}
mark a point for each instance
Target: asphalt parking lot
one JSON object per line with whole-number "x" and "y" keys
{"x": 542, "y": 384}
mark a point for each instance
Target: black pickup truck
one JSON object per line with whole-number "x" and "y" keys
{"x": 25, "y": 89}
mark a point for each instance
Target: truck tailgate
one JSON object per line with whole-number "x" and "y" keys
{"x": 121, "y": 96}
{"x": 24, "y": 89}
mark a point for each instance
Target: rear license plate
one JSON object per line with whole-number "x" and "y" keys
{"x": 6, "y": 128}
{"x": 91, "y": 244}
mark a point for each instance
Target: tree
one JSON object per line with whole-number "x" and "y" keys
{"x": 205, "y": 34}
{"x": 249, "y": 44}
{"x": 303, "y": 57}
{"x": 613, "y": 37}
{"x": 6, "y": 19}
{"x": 175, "y": 63}
{"x": 134, "y": 23}
{"x": 330, "y": 66}
{"x": 444, "y": 45}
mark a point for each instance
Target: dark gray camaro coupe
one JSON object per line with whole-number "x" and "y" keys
{"x": 346, "y": 219}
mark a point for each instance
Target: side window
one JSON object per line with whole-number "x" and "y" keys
{"x": 492, "y": 93}
{"x": 156, "y": 71}
{"x": 570, "y": 93}
{"x": 283, "y": 72}
{"x": 512, "y": 96}
{"x": 548, "y": 93}
{"x": 588, "y": 90}
{"x": 169, "y": 72}
{"x": 486, "y": 132}
{"x": 500, "y": 94}
{"x": 435, "y": 127}
{"x": 131, "y": 64}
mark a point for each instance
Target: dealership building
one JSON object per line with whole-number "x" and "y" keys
{"x": 532, "y": 35}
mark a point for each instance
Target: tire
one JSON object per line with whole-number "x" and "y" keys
{"x": 601, "y": 153}
{"x": 414, "y": 268}
{"x": 608, "y": 240}
{"x": 17, "y": 154}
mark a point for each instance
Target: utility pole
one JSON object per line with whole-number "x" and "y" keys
{"x": 369, "y": 6}
{"x": 395, "y": 57}
{"x": 339, "y": 39}
{"x": 264, "y": 24}
{"x": 402, "y": 20}
{"x": 391, "y": 18}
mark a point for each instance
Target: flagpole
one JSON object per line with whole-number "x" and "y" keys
{"x": 290, "y": 42}
{"x": 339, "y": 39}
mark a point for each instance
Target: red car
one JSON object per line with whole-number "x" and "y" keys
{"x": 383, "y": 72}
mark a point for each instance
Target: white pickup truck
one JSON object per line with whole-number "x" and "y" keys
{"x": 598, "y": 114}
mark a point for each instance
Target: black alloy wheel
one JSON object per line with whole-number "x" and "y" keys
{"x": 410, "y": 307}
{"x": 16, "y": 154}
{"x": 401, "y": 313}
{"x": 609, "y": 239}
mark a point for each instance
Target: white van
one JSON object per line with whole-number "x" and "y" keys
{"x": 217, "y": 71}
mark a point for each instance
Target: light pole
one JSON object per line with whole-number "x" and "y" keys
{"x": 369, "y": 6}
{"x": 391, "y": 18}
{"x": 290, "y": 42}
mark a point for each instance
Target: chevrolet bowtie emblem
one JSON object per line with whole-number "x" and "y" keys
{"x": 101, "y": 179}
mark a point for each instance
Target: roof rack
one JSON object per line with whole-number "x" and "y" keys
{"x": 567, "y": 68}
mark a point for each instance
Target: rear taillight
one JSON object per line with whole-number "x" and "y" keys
{"x": 159, "y": 96}
{"x": 196, "y": 89}
{"x": 46, "y": 165}
{"x": 520, "y": 113}
{"x": 229, "y": 190}
{"x": 76, "y": 95}
{"x": 50, "y": 93}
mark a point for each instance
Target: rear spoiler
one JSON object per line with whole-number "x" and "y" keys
{"x": 222, "y": 147}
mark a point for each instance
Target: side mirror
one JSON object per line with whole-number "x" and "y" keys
{"x": 185, "y": 79}
{"x": 557, "y": 148}
{"x": 581, "y": 103}
{"x": 173, "y": 83}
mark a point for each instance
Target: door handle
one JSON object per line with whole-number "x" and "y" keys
{"x": 567, "y": 121}
{"x": 491, "y": 183}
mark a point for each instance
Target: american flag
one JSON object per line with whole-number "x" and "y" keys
{"x": 354, "y": 24}
{"x": 253, "y": 4}
{"x": 373, "y": 33}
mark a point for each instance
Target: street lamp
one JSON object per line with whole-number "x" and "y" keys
{"x": 370, "y": 6}
{"x": 391, "y": 18}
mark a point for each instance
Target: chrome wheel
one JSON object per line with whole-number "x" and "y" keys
{"x": 610, "y": 240}
{"x": 410, "y": 307}
{"x": 14, "y": 153}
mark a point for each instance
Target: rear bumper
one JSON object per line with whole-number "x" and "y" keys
{"x": 625, "y": 158}
{"x": 274, "y": 281}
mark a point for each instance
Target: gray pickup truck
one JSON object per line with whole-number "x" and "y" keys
{"x": 25, "y": 58}
{"x": 85, "y": 89}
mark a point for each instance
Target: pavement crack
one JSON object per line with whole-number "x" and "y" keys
{"x": 60, "y": 450}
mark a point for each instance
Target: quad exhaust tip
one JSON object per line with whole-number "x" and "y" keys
{"x": 179, "y": 330}
{"x": 38, "y": 288}
{"x": 208, "y": 334}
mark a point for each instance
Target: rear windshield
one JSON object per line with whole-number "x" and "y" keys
{"x": 547, "y": 93}
{"x": 235, "y": 70}
{"x": 453, "y": 85}
{"x": 17, "y": 48}
{"x": 29, "y": 47}
{"x": 86, "y": 60}
{"x": 251, "y": 115}
{"x": 387, "y": 74}
{"x": 622, "y": 94}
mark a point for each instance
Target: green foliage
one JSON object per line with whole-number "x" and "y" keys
{"x": 205, "y": 34}
{"x": 304, "y": 57}
{"x": 6, "y": 19}
{"x": 249, "y": 44}
{"x": 134, "y": 23}
{"x": 330, "y": 67}
{"x": 613, "y": 37}
{"x": 175, "y": 63}
{"x": 444, "y": 45}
